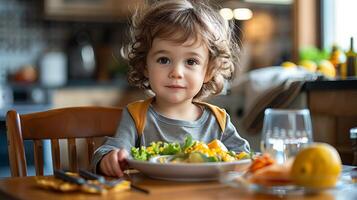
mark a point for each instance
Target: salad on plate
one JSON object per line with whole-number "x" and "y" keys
{"x": 191, "y": 151}
{"x": 191, "y": 161}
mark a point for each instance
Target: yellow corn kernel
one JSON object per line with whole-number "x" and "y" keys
{"x": 241, "y": 155}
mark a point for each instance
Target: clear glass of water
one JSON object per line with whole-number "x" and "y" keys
{"x": 285, "y": 132}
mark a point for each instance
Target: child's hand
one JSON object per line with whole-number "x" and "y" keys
{"x": 114, "y": 163}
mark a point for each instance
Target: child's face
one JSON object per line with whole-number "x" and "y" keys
{"x": 176, "y": 72}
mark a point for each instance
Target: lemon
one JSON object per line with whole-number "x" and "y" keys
{"x": 308, "y": 65}
{"x": 327, "y": 69}
{"x": 317, "y": 166}
{"x": 288, "y": 65}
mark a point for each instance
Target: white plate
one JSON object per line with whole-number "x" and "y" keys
{"x": 187, "y": 171}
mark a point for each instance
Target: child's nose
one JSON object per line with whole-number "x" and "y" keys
{"x": 176, "y": 71}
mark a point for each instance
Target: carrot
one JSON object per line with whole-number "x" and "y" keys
{"x": 260, "y": 162}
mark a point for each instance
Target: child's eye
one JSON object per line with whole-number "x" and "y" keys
{"x": 163, "y": 60}
{"x": 192, "y": 62}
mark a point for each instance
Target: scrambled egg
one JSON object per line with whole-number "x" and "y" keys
{"x": 215, "y": 149}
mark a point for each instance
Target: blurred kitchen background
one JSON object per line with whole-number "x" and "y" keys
{"x": 58, "y": 53}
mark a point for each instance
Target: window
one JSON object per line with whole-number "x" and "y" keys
{"x": 339, "y": 23}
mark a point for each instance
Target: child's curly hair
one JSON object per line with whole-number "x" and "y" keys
{"x": 178, "y": 21}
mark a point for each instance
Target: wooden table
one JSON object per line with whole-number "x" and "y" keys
{"x": 25, "y": 188}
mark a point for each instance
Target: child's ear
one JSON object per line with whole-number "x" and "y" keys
{"x": 208, "y": 77}
{"x": 209, "y": 74}
{"x": 146, "y": 73}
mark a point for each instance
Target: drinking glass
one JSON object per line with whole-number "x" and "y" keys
{"x": 285, "y": 132}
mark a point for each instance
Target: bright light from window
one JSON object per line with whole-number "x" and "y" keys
{"x": 226, "y": 13}
{"x": 242, "y": 13}
{"x": 345, "y": 23}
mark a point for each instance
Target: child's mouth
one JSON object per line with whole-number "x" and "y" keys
{"x": 175, "y": 87}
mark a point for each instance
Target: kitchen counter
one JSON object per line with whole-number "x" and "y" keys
{"x": 348, "y": 84}
{"x": 333, "y": 107}
{"x": 23, "y": 109}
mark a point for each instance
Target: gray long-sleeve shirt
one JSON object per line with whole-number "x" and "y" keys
{"x": 161, "y": 128}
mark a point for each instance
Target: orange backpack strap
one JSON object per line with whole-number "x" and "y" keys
{"x": 138, "y": 112}
{"x": 219, "y": 113}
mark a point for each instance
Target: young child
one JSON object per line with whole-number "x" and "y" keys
{"x": 182, "y": 51}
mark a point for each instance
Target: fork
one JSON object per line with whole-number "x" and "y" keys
{"x": 61, "y": 174}
{"x": 92, "y": 176}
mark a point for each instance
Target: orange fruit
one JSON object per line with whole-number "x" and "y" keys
{"x": 317, "y": 166}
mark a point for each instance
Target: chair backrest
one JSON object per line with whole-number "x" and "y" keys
{"x": 64, "y": 123}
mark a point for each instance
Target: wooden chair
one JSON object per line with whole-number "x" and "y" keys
{"x": 65, "y": 123}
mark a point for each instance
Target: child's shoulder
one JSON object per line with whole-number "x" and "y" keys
{"x": 215, "y": 109}
{"x": 218, "y": 112}
{"x": 138, "y": 110}
{"x": 140, "y": 104}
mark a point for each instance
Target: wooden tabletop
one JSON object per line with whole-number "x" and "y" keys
{"x": 26, "y": 188}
